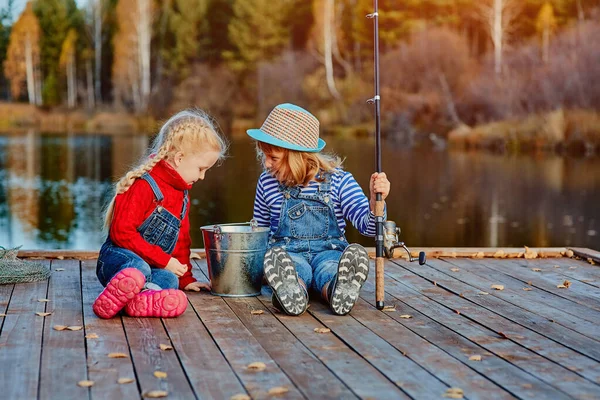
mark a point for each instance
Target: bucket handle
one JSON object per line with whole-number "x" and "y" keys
{"x": 218, "y": 233}
{"x": 253, "y": 224}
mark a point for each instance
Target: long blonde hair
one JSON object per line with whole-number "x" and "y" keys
{"x": 189, "y": 132}
{"x": 298, "y": 167}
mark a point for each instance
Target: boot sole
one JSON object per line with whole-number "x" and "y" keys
{"x": 353, "y": 271}
{"x": 282, "y": 277}
{"x": 166, "y": 303}
{"x": 120, "y": 290}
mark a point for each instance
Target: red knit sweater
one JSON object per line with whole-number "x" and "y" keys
{"x": 135, "y": 205}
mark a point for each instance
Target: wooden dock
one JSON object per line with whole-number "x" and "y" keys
{"x": 451, "y": 335}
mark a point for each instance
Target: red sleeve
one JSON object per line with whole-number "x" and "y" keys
{"x": 131, "y": 209}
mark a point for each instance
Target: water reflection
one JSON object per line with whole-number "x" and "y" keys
{"x": 53, "y": 189}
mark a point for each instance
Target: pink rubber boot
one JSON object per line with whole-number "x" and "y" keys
{"x": 157, "y": 303}
{"x": 120, "y": 290}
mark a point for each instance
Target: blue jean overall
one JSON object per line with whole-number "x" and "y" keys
{"x": 309, "y": 232}
{"x": 160, "y": 228}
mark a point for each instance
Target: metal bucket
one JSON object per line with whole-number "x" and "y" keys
{"x": 235, "y": 255}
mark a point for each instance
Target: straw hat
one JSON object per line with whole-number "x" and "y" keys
{"x": 290, "y": 127}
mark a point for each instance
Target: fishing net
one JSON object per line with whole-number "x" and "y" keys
{"x": 15, "y": 270}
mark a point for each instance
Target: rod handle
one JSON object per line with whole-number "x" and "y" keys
{"x": 379, "y": 283}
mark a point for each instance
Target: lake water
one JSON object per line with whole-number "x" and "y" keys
{"x": 53, "y": 188}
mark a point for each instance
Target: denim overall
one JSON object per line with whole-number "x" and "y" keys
{"x": 161, "y": 228}
{"x": 309, "y": 232}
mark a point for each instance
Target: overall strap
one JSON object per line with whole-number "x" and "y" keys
{"x": 186, "y": 200}
{"x": 325, "y": 186}
{"x": 289, "y": 191}
{"x": 157, "y": 193}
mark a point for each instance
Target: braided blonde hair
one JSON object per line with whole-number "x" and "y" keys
{"x": 189, "y": 132}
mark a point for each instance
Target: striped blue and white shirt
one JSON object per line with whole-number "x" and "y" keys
{"x": 348, "y": 200}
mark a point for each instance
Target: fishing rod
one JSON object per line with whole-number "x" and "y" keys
{"x": 384, "y": 243}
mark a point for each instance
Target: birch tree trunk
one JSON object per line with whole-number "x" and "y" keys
{"x": 30, "y": 72}
{"x": 497, "y": 36}
{"x": 91, "y": 104}
{"x": 498, "y": 16}
{"x": 144, "y": 38}
{"x": 328, "y": 27}
{"x": 71, "y": 82}
{"x": 97, "y": 52}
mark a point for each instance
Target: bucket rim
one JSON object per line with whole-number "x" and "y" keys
{"x": 211, "y": 228}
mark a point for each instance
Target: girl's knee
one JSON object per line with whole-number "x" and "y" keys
{"x": 165, "y": 279}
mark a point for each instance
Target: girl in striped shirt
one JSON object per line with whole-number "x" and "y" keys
{"x": 305, "y": 197}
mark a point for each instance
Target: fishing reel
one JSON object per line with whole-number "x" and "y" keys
{"x": 390, "y": 243}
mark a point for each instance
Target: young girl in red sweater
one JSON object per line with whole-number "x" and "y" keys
{"x": 146, "y": 257}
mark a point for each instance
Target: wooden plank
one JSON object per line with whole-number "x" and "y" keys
{"x": 388, "y": 360}
{"x": 545, "y": 304}
{"x": 144, "y": 336}
{"x": 5, "y": 293}
{"x": 240, "y": 347}
{"x": 21, "y": 340}
{"x": 586, "y": 253}
{"x": 307, "y": 372}
{"x": 350, "y": 368}
{"x": 205, "y": 366}
{"x": 103, "y": 370}
{"x": 63, "y": 352}
{"x": 429, "y": 320}
{"x": 577, "y": 271}
{"x": 446, "y": 368}
{"x": 547, "y": 279}
{"x": 537, "y": 350}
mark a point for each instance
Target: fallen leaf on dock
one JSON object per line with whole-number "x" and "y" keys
{"x": 479, "y": 254}
{"x": 500, "y": 254}
{"x": 484, "y": 293}
{"x": 240, "y": 396}
{"x": 160, "y": 374}
{"x": 557, "y": 266}
{"x": 497, "y": 287}
{"x": 389, "y": 309}
{"x": 75, "y": 328}
{"x": 569, "y": 253}
{"x": 322, "y": 330}
{"x": 406, "y": 316}
{"x": 454, "y": 269}
{"x": 527, "y": 289}
{"x": 2, "y": 315}
{"x": 43, "y": 300}
{"x": 117, "y": 355}
{"x": 536, "y": 269}
{"x": 122, "y": 381}
{"x": 476, "y": 357}
{"x": 454, "y": 393}
{"x": 257, "y": 312}
{"x": 85, "y": 383}
{"x": 257, "y": 366}
{"x": 591, "y": 261}
{"x": 277, "y": 390}
{"x": 43, "y": 314}
{"x": 165, "y": 347}
{"x": 564, "y": 285}
{"x": 502, "y": 335}
{"x": 59, "y": 269}
{"x": 456, "y": 311}
{"x": 530, "y": 254}
{"x": 91, "y": 336}
{"x": 60, "y": 327}
{"x": 156, "y": 394}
